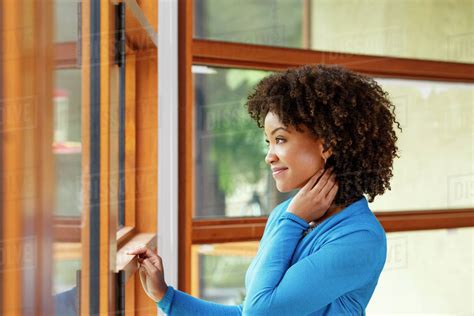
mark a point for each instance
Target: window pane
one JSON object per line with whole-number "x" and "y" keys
{"x": 68, "y": 183}
{"x": 435, "y": 30}
{"x": 67, "y": 148}
{"x": 115, "y": 198}
{"x": 66, "y": 17}
{"x": 232, "y": 178}
{"x": 435, "y": 169}
{"x": 67, "y": 142}
{"x": 67, "y": 258}
{"x": 426, "y": 273}
{"x": 269, "y": 22}
{"x": 221, "y": 271}
{"x": 436, "y": 147}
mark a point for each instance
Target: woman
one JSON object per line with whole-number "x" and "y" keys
{"x": 330, "y": 134}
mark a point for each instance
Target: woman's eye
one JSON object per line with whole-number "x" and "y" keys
{"x": 278, "y": 140}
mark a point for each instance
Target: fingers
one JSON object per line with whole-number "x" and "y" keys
{"x": 159, "y": 261}
{"x": 150, "y": 268}
{"x": 329, "y": 185}
{"x": 323, "y": 180}
{"x": 143, "y": 253}
{"x": 146, "y": 254}
{"x": 138, "y": 251}
{"x": 156, "y": 261}
{"x": 332, "y": 193}
{"x": 313, "y": 180}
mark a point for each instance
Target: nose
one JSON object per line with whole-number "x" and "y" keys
{"x": 270, "y": 157}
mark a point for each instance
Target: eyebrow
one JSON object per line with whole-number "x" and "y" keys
{"x": 278, "y": 128}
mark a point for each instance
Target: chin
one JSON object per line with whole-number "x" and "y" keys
{"x": 284, "y": 188}
{"x": 288, "y": 186}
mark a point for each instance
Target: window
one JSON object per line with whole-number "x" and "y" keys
{"x": 232, "y": 178}
{"x": 421, "y": 30}
{"x": 79, "y": 134}
{"x": 435, "y": 157}
{"x": 222, "y": 62}
{"x": 220, "y": 271}
{"x": 120, "y": 126}
{"x": 78, "y": 118}
{"x": 423, "y": 266}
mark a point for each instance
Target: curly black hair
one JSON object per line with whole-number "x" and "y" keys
{"x": 348, "y": 111}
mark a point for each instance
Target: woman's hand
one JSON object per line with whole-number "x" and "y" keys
{"x": 153, "y": 265}
{"x": 315, "y": 198}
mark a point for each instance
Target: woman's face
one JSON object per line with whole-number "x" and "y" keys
{"x": 293, "y": 156}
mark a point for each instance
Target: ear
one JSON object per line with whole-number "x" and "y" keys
{"x": 325, "y": 154}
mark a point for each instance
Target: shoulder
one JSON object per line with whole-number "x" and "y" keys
{"x": 360, "y": 234}
{"x": 360, "y": 222}
{"x": 364, "y": 244}
{"x": 359, "y": 251}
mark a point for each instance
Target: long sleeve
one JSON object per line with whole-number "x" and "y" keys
{"x": 179, "y": 303}
{"x": 176, "y": 302}
{"x": 342, "y": 265}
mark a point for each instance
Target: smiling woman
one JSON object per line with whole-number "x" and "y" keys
{"x": 322, "y": 250}
{"x": 293, "y": 156}
{"x": 349, "y": 116}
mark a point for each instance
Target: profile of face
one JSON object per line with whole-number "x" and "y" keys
{"x": 293, "y": 156}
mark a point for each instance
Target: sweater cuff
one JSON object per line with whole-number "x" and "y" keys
{"x": 165, "y": 303}
{"x": 290, "y": 216}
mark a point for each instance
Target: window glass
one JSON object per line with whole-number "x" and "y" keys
{"x": 435, "y": 169}
{"x": 410, "y": 283}
{"x": 67, "y": 149}
{"x": 435, "y": 30}
{"x": 436, "y": 147}
{"x": 221, "y": 271}
{"x": 67, "y": 259}
{"x": 66, "y": 20}
{"x": 268, "y": 22}
{"x": 426, "y": 273}
{"x": 232, "y": 178}
{"x": 68, "y": 186}
{"x": 67, "y": 141}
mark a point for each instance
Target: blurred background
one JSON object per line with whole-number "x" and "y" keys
{"x": 84, "y": 121}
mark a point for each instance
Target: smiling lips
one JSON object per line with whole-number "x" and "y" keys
{"x": 279, "y": 170}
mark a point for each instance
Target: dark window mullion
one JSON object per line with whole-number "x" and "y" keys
{"x": 120, "y": 42}
{"x": 94, "y": 233}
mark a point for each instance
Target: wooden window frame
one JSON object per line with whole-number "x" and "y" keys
{"x": 27, "y": 223}
{"x": 140, "y": 124}
{"x": 192, "y": 51}
{"x": 121, "y": 283}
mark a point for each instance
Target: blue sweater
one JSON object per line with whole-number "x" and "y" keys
{"x": 333, "y": 270}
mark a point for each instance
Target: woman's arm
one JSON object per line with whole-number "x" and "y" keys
{"x": 176, "y": 302}
{"x": 169, "y": 300}
{"x": 314, "y": 282}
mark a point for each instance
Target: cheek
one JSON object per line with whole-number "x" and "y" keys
{"x": 307, "y": 163}
{"x": 302, "y": 164}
